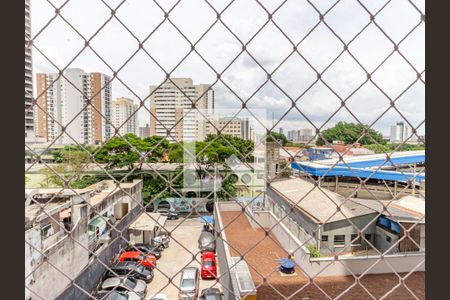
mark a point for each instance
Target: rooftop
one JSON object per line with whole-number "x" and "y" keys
{"x": 261, "y": 255}
{"x": 407, "y": 209}
{"x": 148, "y": 221}
{"x": 320, "y": 204}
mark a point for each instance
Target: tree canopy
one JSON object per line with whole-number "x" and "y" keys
{"x": 350, "y": 133}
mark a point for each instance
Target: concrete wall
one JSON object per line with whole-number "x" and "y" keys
{"x": 90, "y": 277}
{"x": 381, "y": 240}
{"x": 34, "y": 242}
{"x": 224, "y": 257}
{"x": 61, "y": 262}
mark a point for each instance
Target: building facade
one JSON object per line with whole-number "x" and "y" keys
{"x": 301, "y": 135}
{"x": 169, "y": 107}
{"x": 237, "y": 127}
{"x": 29, "y": 111}
{"x": 144, "y": 132}
{"x": 61, "y": 98}
{"x": 400, "y": 132}
{"x": 123, "y": 116}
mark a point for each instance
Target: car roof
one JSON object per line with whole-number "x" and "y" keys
{"x": 189, "y": 272}
{"x": 130, "y": 254}
{"x": 114, "y": 281}
{"x": 125, "y": 265}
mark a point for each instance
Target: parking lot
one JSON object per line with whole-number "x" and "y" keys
{"x": 177, "y": 257}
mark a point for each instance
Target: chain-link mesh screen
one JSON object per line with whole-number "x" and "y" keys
{"x": 229, "y": 149}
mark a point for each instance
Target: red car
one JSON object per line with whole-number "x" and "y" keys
{"x": 209, "y": 269}
{"x": 148, "y": 261}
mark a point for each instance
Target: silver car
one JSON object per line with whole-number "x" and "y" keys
{"x": 125, "y": 284}
{"x": 189, "y": 284}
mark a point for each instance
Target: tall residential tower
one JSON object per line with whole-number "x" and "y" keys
{"x": 169, "y": 104}
{"x": 62, "y": 100}
{"x": 29, "y": 114}
{"x": 123, "y": 114}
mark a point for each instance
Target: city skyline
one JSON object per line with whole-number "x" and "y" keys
{"x": 244, "y": 76}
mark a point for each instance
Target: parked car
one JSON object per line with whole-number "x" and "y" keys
{"x": 146, "y": 249}
{"x": 170, "y": 214}
{"x": 115, "y": 295}
{"x": 129, "y": 269}
{"x": 189, "y": 284}
{"x": 206, "y": 242}
{"x": 209, "y": 269}
{"x": 162, "y": 239}
{"x": 125, "y": 284}
{"x": 148, "y": 260}
{"x": 211, "y": 294}
{"x": 158, "y": 297}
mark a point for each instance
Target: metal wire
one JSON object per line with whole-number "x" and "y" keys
{"x": 245, "y": 104}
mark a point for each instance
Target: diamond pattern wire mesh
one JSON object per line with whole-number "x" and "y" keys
{"x": 356, "y": 286}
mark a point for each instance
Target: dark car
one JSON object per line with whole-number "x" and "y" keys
{"x": 131, "y": 270}
{"x": 170, "y": 214}
{"x": 146, "y": 249}
{"x": 211, "y": 294}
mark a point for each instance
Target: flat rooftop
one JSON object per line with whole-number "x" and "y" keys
{"x": 320, "y": 204}
{"x": 261, "y": 255}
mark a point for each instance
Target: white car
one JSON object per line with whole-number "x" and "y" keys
{"x": 189, "y": 284}
{"x": 158, "y": 297}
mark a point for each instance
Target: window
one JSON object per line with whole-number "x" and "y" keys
{"x": 339, "y": 239}
{"x": 356, "y": 240}
{"x": 324, "y": 238}
{"x": 47, "y": 231}
{"x": 368, "y": 237}
{"x": 388, "y": 239}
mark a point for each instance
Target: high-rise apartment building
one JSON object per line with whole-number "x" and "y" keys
{"x": 144, "y": 132}
{"x": 301, "y": 135}
{"x": 238, "y": 127}
{"x": 29, "y": 113}
{"x": 123, "y": 116}
{"x": 400, "y": 132}
{"x": 169, "y": 104}
{"x": 62, "y": 98}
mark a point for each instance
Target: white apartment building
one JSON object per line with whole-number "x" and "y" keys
{"x": 123, "y": 115}
{"x": 169, "y": 107}
{"x": 62, "y": 98}
{"x": 301, "y": 135}
{"x": 29, "y": 112}
{"x": 400, "y": 132}
{"x": 144, "y": 132}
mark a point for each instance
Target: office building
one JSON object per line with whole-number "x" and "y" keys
{"x": 29, "y": 113}
{"x": 144, "y": 132}
{"x": 123, "y": 116}
{"x": 400, "y": 132}
{"x": 63, "y": 97}
{"x": 169, "y": 107}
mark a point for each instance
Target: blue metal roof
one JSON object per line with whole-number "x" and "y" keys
{"x": 365, "y": 167}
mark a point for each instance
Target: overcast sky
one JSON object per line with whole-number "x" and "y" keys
{"x": 270, "y": 47}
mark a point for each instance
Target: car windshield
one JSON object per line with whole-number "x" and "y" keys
{"x": 140, "y": 268}
{"x": 186, "y": 283}
{"x": 208, "y": 263}
{"x": 130, "y": 283}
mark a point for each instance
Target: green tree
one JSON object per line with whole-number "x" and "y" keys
{"x": 51, "y": 179}
{"x": 84, "y": 181}
{"x": 350, "y": 133}
{"x": 121, "y": 152}
{"x": 285, "y": 170}
{"x": 228, "y": 189}
{"x": 377, "y": 148}
{"x": 281, "y": 138}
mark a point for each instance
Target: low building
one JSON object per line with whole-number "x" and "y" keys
{"x": 64, "y": 228}
{"x": 316, "y": 217}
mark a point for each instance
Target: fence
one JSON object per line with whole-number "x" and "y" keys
{"x": 221, "y": 85}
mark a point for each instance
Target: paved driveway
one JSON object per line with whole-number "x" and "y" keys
{"x": 176, "y": 257}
